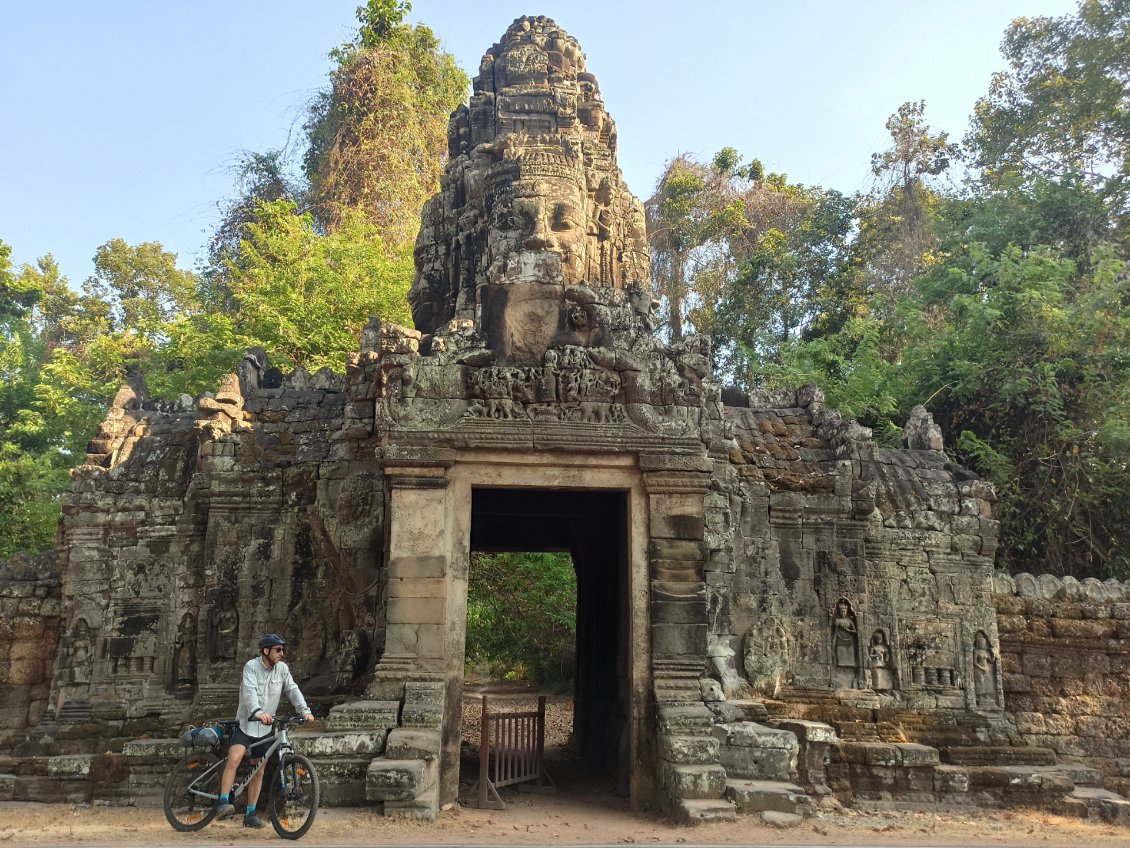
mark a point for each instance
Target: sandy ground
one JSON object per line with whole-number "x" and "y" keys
{"x": 563, "y": 819}
{"x": 585, "y": 811}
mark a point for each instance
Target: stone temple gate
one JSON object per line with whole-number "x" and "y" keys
{"x": 756, "y": 574}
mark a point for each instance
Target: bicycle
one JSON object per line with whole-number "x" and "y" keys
{"x": 193, "y": 787}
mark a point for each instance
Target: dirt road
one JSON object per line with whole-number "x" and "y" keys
{"x": 558, "y": 820}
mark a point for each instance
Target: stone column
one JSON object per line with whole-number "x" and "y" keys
{"x": 417, "y": 551}
{"x": 691, "y": 780}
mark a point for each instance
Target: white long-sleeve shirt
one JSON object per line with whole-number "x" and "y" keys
{"x": 260, "y": 690}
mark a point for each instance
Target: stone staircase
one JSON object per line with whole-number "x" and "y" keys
{"x": 772, "y": 770}
{"x": 405, "y": 778}
{"x": 691, "y": 781}
{"x": 874, "y": 759}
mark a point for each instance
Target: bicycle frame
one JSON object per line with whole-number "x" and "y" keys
{"x": 281, "y": 745}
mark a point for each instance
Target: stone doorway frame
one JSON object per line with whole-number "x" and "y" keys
{"x": 428, "y": 555}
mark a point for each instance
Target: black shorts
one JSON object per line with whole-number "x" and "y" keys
{"x": 261, "y": 743}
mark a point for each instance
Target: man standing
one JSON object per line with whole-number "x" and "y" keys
{"x": 265, "y": 678}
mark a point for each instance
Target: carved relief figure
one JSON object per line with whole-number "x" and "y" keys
{"x": 845, "y": 646}
{"x": 225, "y": 629}
{"x": 184, "y": 653}
{"x": 984, "y": 671}
{"x": 82, "y": 652}
{"x": 723, "y": 667}
{"x": 882, "y": 663}
{"x": 766, "y": 659}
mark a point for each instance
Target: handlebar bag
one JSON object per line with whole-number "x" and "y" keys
{"x": 200, "y": 737}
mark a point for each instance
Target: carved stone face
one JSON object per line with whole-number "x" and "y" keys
{"x": 537, "y": 232}
{"x": 531, "y": 195}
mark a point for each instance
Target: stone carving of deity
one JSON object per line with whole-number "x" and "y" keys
{"x": 882, "y": 663}
{"x": 225, "y": 629}
{"x": 984, "y": 671}
{"x": 533, "y": 204}
{"x": 82, "y": 652}
{"x": 845, "y": 646}
{"x": 184, "y": 653}
{"x": 723, "y": 667}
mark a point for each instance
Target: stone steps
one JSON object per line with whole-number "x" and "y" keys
{"x": 761, "y": 796}
{"x": 751, "y": 751}
{"x": 997, "y": 755}
{"x": 1090, "y": 802}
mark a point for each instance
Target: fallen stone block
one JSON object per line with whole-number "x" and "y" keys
{"x": 702, "y": 811}
{"x": 781, "y": 821}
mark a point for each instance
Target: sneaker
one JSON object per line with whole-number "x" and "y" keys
{"x": 252, "y": 820}
{"x": 223, "y": 810}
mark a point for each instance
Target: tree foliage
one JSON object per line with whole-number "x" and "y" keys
{"x": 1060, "y": 110}
{"x": 300, "y": 284}
{"x": 522, "y": 616}
{"x": 305, "y": 297}
{"x": 378, "y": 136}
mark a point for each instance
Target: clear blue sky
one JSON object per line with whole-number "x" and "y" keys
{"x": 122, "y": 118}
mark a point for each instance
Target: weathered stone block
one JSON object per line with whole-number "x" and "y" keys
{"x": 677, "y": 526}
{"x": 696, "y": 781}
{"x": 678, "y": 640}
{"x": 340, "y": 743}
{"x": 357, "y": 715}
{"x": 688, "y": 750}
{"x": 398, "y": 780}
{"x": 427, "y": 610}
{"x": 677, "y": 549}
{"x": 417, "y": 566}
{"x": 917, "y": 756}
{"x": 409, "y": 744}
{"x": 684, "y": 719}
{"x": 758, "y": 796}
{"x": 870, "y": 753}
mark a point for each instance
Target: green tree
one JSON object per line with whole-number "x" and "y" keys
{"x": 260, "y": 178}
{"x": 522, "y": 616}
{"x": 1060, "y": 110}
{"x": 795, "y": 251}
{"x": 1025, "y": 363}
{"x": 896, "y": 239}
{"x": 695, "y": 219}
{"x": 305, "y": 297}
{"x": 33, "y": 447}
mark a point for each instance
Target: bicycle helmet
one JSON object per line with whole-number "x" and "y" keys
{"x": 270, "y": 640}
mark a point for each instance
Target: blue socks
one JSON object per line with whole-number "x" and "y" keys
{"x": 224, "y": 799}
{"x": 250, "y": 810}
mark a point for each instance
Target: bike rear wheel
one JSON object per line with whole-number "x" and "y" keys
{"x": 293, "y": 801}
{"x": 186, "y": 810}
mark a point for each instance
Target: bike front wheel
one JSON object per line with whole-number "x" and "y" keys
{"x": 191, "y": 791}
{"x": 293, "y": 801}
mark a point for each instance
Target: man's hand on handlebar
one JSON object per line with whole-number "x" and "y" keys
{"x": 265, "y": 718}
{"x": 309, "y": 717}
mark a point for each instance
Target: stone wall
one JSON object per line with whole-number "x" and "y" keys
{"x": 836, "y": 564}
{"x": 193, "y": 527}
{"x": 30, "y": 615}
{"x": 1065, "y": 654}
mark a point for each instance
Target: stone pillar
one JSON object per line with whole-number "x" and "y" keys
{"x": 411, "y": 670}
{"x": 417, "y": 551}
{"x": 691, "y": 780}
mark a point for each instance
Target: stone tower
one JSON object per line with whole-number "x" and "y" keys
{"x": 533, "y": 208}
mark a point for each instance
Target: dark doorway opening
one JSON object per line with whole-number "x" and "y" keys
{"x": 591, "y": 527}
